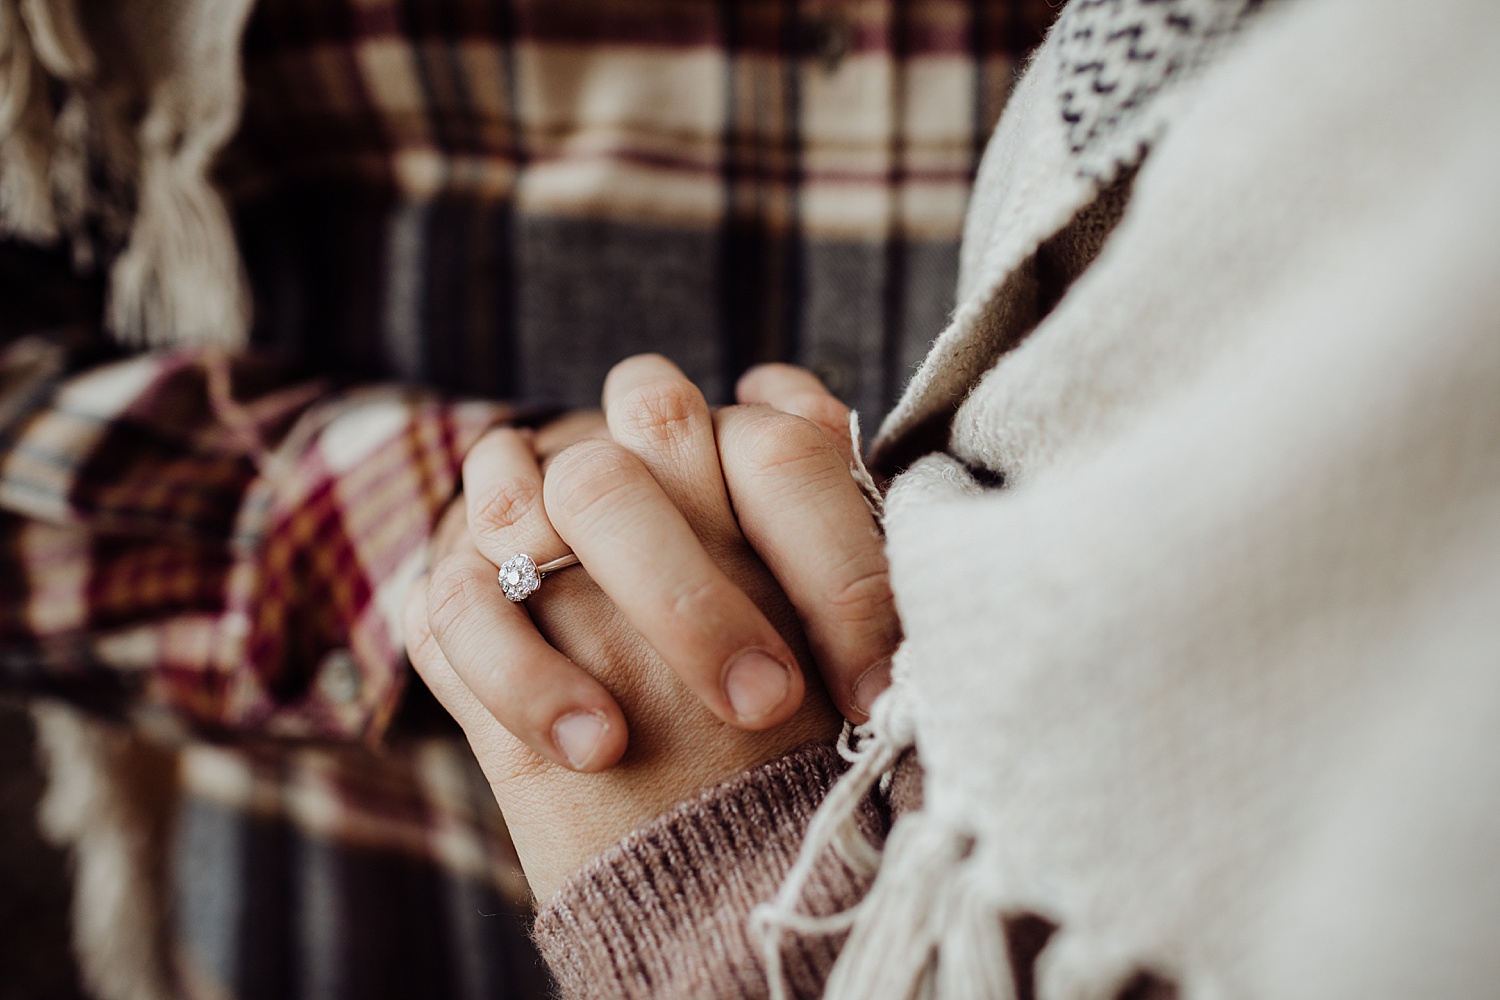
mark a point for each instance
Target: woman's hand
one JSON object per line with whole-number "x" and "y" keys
{"x": 668, "y": 517}
{"x": 645, "y": 511}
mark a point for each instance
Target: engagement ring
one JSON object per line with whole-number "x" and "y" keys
{"x": 520, "y": 576}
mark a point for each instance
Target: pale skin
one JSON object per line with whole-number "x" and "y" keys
{"x": 733, "y": 603}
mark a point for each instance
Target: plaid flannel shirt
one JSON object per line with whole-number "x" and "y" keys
{"x": 436, "y": 201}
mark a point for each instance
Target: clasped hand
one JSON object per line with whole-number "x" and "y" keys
{"x": 733, "y": 590}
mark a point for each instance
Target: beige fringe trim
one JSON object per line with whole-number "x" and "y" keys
{"x": 178, "y": 278}
{"x": 931, "y": 925}
{"x": 25, "y": 135}
{"x": 109, "y": 801}
{"x": 872, "y": 750}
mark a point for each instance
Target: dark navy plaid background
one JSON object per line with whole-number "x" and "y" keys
{"x": 504, "y": 199}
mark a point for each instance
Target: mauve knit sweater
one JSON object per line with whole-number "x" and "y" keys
{"x": 665, "y": 912}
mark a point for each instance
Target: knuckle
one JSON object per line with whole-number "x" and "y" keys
{"x": 453, "y": 590}
{"x": 422, "y": 648}
{"x": 783, "y": 445}
{"x": 661, "y": 411}
{"x": 695, "y": 604}
{"x": 826, "y": 412}
{"x": 586, "y": 479}
{"x": 498, "y": 508}
{"x": 862, "y": 594}
{"x": 418, "y": 636}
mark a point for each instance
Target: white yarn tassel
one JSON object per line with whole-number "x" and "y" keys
{"x": 867, "y": 485}
{"x": 108, "y": 800}
{"x": 58, "y": 38}
{"x": 930, "y": 926}
{"x": 973, "y": 959}
{"x": 179, "y": 279}
{"x": 893, "y": 947}
{"x": 879, "y": 743}
{"x": 62, "y": 49}
{"x": 25, "y": 123}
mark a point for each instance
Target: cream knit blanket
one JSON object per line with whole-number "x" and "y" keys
{"x": 1214, "y": 683}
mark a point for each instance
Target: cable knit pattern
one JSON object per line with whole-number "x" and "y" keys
{"x": 663, "y": 913}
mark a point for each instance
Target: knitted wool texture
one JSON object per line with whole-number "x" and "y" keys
{"x": 1210, "y": 683}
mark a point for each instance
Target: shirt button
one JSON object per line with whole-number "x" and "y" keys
{"x": 829, "y": 38}
{"x": 338, "y": 677}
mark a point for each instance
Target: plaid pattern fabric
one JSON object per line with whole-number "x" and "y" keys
{"x": 335, "y": 872}
{"x": 206, "y": 546}
{"x": 506, "y": 197}
{"x": 479, "y": 197}
{"x": 188, "y": 534}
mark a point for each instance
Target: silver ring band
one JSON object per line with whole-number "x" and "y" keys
{"x": 520, "y": 576}
{"x": 561, "y": 562}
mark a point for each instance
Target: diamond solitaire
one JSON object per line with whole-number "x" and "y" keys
{"x": 519, "y": 577}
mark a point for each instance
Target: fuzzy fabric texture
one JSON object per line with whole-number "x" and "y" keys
{"x": 1210, "y": 683}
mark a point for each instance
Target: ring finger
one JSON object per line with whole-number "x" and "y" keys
{"x": 541, "y": 696}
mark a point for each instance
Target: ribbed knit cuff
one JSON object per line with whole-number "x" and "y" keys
{"x": 665, "y": 912}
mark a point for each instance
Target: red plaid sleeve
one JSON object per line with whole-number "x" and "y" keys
{"x": 194, "y": 537}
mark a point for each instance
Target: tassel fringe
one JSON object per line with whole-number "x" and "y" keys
{"x": 108, "y": 801}
{"x": 930, "y": 928}
{"x": 861, "y": 473}
{"x": 873, "y": 750}
{"x": 25, "y": 125}
{"x": 926, "y": 929}
{"x": 178, "y": 278}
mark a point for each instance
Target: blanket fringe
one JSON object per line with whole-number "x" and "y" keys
{"x": 108, "y": 801}
{"x": 25, "y": 126}
{"x": 868, "y": 488}
{"x": 872, "y": 750}
{"x": 930, "y": 926}
{"x": 57, "y": 34}
{"x": 179, "y": 278}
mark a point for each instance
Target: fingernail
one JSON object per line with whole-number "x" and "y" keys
{"x": 756, "y": 684}
{"x": 870, "y": 684}
{"x": 578, "y": 736}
